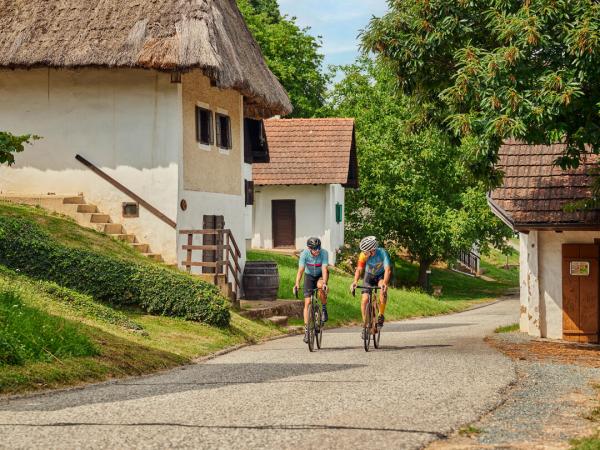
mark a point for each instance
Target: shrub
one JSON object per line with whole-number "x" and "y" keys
{"x": 26, "y": 247}
{"x": 28, "y": 334}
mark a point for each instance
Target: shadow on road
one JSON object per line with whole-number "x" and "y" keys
{"x": 407, "y": 327}
{"x": 189, "y": 378}
{"x": 230, "y": 427}
{"x": 383, "y": 348}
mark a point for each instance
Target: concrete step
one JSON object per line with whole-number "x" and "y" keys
{"x": 87, "y": 208}
{"x": 282, "y": 321}
{"x": 155, "y": 256}
{"x": 130, "y": 238}
{"x": 78, "y": 200}
{"x": 142, "y": 248}
{"x": 99, "y": 218}
{"x": 109, "y": 228}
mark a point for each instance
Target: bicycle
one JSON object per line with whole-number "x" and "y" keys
{"x": 315, "y": 321}
{"x": 370, "y": 327}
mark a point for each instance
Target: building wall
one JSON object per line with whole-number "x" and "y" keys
{"x": 126, "y": 122}
{"x": 209, "y": 168}
{"x": 542, "y": 285}
{"x": 315, "y": 215}
{"x": 220, "y": 174}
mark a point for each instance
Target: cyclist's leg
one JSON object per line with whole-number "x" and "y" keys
{"x": 382, "y": 298}
{"x": 321, "y": 292}
{"x": 367, "y": 281}
{"x": 310, "y": 283}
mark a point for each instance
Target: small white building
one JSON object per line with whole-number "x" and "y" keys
{"x": 154, "y": 94}
{"x": 300, "y": 185}
{"x": 559, "y": 250}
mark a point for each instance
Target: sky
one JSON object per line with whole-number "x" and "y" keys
{"x": 337, "y": 21}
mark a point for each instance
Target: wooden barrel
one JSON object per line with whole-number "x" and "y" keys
{"x": 261, "y": 280}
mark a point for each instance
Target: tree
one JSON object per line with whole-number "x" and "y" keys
{"x": 10, "y": 144}
{"x": 500, "y": 68}
{"x": 415, "y": 187}
{"x": 291, "y": 53}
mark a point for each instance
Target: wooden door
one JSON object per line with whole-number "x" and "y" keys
{"x": 212, "y": 223}
{"x": 283, "y": 213}
{"x": 581, "y": 314}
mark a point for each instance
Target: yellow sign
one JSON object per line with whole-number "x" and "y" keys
{"x": 580, "y": 268}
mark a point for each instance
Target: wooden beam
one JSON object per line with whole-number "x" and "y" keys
{"x": 126, "y": 191}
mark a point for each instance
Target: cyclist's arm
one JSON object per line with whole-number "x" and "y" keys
{"x": 299, "y": 275}
{"x": 387, "y": 264}
{"x": 325, "y": 271}
{"x": 357, "y": 274}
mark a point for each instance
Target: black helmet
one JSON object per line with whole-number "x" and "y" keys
{"x": 314, "y": 243}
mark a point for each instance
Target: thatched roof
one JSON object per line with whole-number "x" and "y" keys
{"x": 163, "y": 35}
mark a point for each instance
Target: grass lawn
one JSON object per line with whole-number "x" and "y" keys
{"x": 460, "y": 291}
{"x": 51, "y": 336}
{"x": 66, "y": 343}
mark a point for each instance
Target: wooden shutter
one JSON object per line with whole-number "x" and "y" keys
{"x": 249, "y": 191}
{"x": 212, "y": 223}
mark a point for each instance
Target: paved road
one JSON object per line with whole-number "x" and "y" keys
{"x": 431, "y": 376}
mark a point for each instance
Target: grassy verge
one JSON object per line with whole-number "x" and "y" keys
{"x": 111, "y": 343}
{"x": 402, "y": 303}
{"x": 589, "y": 442}
{"x": 507, "y": 328}
{"x": 456, "y": 286}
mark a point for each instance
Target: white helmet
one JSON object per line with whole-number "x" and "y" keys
{"x": 369, "y": 243}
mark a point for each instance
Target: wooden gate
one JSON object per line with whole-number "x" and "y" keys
{"x": 283, "y": 214}
{"x": 580, "y": 292}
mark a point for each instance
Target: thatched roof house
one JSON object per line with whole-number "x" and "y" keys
{"x": 165, "y": 35}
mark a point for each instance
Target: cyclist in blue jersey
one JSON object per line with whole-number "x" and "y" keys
{"x": 313, "y": 264}
{"x": 375, "y": 262}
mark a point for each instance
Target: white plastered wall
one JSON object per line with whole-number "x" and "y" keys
{"x": 315, "y": 215}
{"x": 125, "y": 121}
{"x": 541, "y": 279}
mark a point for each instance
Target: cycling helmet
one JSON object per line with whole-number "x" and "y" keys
{"x": 314, "y": 243}
{"x": 369, "y": 243}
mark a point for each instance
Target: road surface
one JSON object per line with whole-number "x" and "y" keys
{"x": 430, "y": 377}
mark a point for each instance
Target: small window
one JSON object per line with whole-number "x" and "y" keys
{"x": 131, "y": 209}
{"x": 255, "y": 142}
{"x": 223, "y": 131}
{"x": 249, "y": 192}
{"x": 204, "y": 126}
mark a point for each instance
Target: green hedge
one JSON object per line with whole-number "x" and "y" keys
{"x": 24, "y": 246}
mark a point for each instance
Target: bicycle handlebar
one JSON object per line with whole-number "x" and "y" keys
{"x": 371, "y": 288}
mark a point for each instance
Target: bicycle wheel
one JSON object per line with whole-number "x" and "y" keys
{"x": 319, "y": 323}
{"x": 376, "y": 330}
{"x": 311, "y": 328}
{"x": 367, "y": 328}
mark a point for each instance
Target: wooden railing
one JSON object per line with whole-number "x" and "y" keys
{"x": 471, "y": 260}
{"x": 228, "y": 255}
{"x": 126, "y": 191}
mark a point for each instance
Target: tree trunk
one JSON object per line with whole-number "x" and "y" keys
{"x": 423, "y": 268}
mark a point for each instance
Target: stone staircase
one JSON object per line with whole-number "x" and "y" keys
{"x": 88, "y": 215}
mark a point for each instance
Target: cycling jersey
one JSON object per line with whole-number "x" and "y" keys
{"x": 313, "y": 265}
{"x": 376, "y": 264}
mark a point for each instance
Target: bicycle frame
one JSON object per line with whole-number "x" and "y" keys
{"x": 370, "y": 327}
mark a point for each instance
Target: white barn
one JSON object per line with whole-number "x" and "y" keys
{"x": 300, "y": 183}
{"x": 559, "y": 250}
{"x": 152, "y": 96}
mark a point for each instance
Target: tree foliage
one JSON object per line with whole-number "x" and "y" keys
{"x": 415, "y": 187}
{"x": 11, "y": 144}
{"x": 495, "y": 69}
{"x": 291, "y": 53}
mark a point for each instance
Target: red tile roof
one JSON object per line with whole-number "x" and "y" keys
{"x": 535, "y": 191}
{"x": 308, "y": 151}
